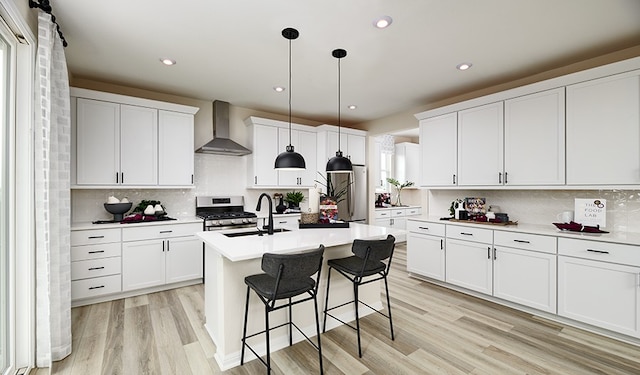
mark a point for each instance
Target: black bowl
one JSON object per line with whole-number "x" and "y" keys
{"x": 118, "y": 209}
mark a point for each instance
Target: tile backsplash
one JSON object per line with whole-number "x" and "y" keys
{"x": 542, "y": 206}
{"x": 214, "y": 175}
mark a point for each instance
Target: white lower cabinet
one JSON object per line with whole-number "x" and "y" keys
{"x": 395, "y": 218}
{"x": 425, "y": 249}
{"x": 160, "y": 254}
{"x": 593, "y": 290}
{"x": 468, "y": 264}
{"x": 524, "y": 269}
{"x": 95, "y": 263}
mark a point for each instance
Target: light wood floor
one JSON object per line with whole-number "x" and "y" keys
{"x": 438, "y": 331}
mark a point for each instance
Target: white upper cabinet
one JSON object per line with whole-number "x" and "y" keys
{"x": 98, "y": 142}
{"x": 304, "y": 143}
{"x": 263, "y": 140}
{"x": 480, "y": 145}
{"x": 407, "y": 162}
{"x": 603, "y": 131}
{"x": 534, "y": 136}
{"x": 138, "y": 145}
{"x": 175, "y": 139}
{"x": 268, "y": 138}
{"x": 439, "y": 150}
{"x": 353, "y": 144}
{"x": 122, "y": 141}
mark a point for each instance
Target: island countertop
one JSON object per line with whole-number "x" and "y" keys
{"x": 252, "y": 247}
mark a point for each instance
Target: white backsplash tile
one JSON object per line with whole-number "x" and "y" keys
{"x": 214, "y": 175}
{"x": 542, "y": 206}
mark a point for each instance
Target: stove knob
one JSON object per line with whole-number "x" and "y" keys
{"x": 244, "y": 221}
{"x": 212, "y": 223}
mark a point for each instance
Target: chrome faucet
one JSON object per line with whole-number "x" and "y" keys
{"x": 270, "y": 224}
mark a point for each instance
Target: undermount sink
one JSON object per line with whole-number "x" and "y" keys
{"x": 254, "y": 232}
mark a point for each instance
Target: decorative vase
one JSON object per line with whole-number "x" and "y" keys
{"x": 280, "y": 208}
{"x": 398, "y": 202}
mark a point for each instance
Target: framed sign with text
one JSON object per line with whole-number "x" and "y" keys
{"x": 592, "y": 212}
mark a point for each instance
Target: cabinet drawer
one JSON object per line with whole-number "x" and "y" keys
{"x": 536, "y": 242}
{"x": 95, "y": 287}
{"x": 160, "y": 231}
{"x": 413, "y": 211}
{"x": 398, "y": 212}
{"x": 603, "y": 251}
{"x": 425, "y": 228}
{"x": 95, "y": 267}
{"x": 87, "y": 252}
{"x": 93, "y": 236}
{"x": 470, "y": 233}
{"x": 383, "y": 214}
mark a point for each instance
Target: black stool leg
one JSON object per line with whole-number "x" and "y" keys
{"x": 355, "y": 303}
{"x": 315, "y": 303}
{"x": 386, "y": 287}
{"x": 266, "y": 327}
{"x": 326, "y": 302}
{"x": 244, "y": 329}
{"x": 290, "y": 324}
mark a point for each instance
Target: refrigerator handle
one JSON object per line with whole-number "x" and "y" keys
{"x": 351, "y": 198}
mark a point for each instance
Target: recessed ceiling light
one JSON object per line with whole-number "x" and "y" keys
{"x": 352, "y": 106}
{"x": 382, "y": 22}
{"x": 167, "y": 61}
{"x": 278, "y": 89}
{"x": 463, "y": 66}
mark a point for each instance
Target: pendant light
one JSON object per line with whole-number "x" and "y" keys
{"x": 338, "y": 163}
{"x": 289, "y": 159}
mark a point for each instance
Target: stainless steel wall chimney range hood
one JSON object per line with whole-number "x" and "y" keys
{"x": 221, "y": 144}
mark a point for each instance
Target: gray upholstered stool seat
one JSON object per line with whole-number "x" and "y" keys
{"x": 285, "y": 276}
{"x": 371, "y": 262}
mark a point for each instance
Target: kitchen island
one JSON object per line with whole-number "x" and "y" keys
{"x": 229, "y": 259}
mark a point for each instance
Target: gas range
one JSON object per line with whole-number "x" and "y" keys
{"x": 224, "y": 212}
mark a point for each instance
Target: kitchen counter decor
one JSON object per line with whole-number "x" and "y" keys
{"x": 577, "y": 227}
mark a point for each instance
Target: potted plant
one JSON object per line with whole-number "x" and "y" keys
{"x": 399, "y": 186}
{"x": 337, "y": 193}
{"x": 294, "y": 198}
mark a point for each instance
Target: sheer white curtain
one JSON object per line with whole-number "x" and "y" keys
{"x": 52, "y": 197}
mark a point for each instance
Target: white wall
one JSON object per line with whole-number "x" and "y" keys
{"x": 542, "y": 206}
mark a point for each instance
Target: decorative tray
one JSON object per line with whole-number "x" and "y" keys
{"x": 577, "y": 227}
{"x": 344, "y": 224}
{"x": 502, "y": 223}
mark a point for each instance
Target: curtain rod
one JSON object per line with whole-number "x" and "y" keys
{"x": 46, "y": 7}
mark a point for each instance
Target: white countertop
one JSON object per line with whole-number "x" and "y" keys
{"x": 251, "y": 247}
{"x": 629, "y": 238}
{"x": 396, "y": 207}
{"x": 89, "y": 225}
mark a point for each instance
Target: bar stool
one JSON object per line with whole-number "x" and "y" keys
{"x": 285, "y": 276}
{"x": 371, "y": 262}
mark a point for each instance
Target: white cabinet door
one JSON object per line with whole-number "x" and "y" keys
{"x": 304, "y": 143}
{"x": 265, "y": 151}
{"x": 175, "y": 140}
{"x": 356, "y": 147}
{"x": 98, "y": 142}
{"x": 438, "y": 145}
{"x": 143, "y": 264}
{"x": 603, "y": 131}
{"x": 525, "y": 277}
{"x": 138, "y": 145}
{"x": 184, "y": 259}
{"x": 469, "y": 265}
{"x": 425, "y": 255}
{"x": 534, "y": 139}
{"x": 480, "y": 145}
{"x": 407, "y": 162}
{"x": 606, "y": 295}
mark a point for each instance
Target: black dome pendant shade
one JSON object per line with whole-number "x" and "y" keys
{"x": 338, "y": 163}
{"x": 290, "y": 160}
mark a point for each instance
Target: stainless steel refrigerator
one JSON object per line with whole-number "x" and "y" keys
{"x": 354, "y": 206}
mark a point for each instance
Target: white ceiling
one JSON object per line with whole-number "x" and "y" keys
{"x": 233, "y": 50}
